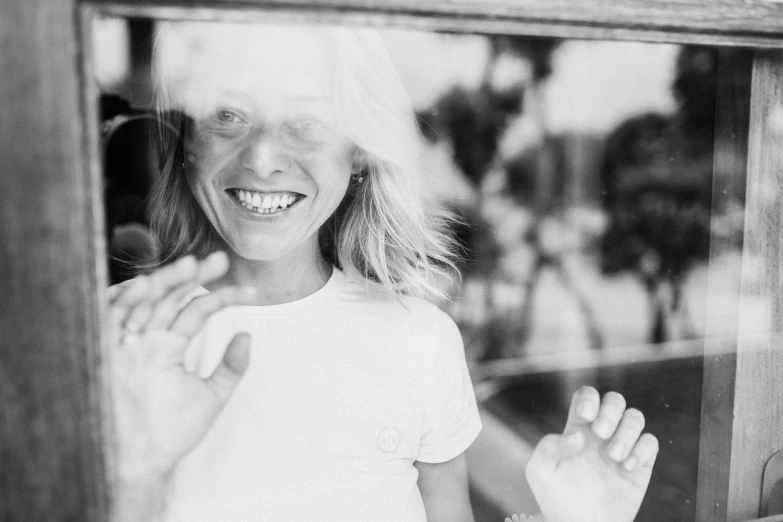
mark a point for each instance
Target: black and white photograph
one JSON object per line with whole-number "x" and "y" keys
{"x": 353, "y": 260}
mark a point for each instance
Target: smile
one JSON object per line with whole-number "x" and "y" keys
{"x": 265, "y": 202}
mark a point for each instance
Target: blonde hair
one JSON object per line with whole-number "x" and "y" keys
{"x": 388, "y": 233}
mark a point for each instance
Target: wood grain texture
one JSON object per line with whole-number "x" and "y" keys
{"x": 50, "y": 433}
{"x": 732, "y": 120}
{"x": 726, "y": 22}
{"x": 758, "y": 393}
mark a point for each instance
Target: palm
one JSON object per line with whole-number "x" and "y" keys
{"x": 169, "y": 410}
{"x": 599, "y": 469}
{"x": 596, "y": 488}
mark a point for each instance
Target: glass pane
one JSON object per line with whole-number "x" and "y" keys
{"x": 581, "y": 176}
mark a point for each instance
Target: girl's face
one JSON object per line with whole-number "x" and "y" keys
{"x": 266, "y": 158}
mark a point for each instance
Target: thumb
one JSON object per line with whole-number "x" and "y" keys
{"x": 553, "y": 449}
{"x": 232, "y": 367}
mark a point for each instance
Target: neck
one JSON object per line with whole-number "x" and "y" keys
{"x": 278, "y": 281}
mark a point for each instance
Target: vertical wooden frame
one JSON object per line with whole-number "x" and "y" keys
{"x": 51, "y": 271}
{"x": 732, "y": 121}
{"x": 742, "y": 420}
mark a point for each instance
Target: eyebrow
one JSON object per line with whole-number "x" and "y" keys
{"x": 299, "y": 98}
{"x": 308, "y": 98}
{"x": 231, "y": 92}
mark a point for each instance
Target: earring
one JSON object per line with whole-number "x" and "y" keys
{"x": 357, "y": 175}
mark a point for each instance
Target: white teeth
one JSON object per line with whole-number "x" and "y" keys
{"x": 264, "y": 204}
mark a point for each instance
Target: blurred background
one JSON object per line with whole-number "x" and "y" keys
{"x": 582, "y": 173}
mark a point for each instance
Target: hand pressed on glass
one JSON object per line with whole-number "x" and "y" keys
{"x": 599, "y": 468}
{"x": 162, "y": 410}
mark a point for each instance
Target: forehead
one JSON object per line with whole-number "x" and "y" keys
{"x": 261, "y": 65}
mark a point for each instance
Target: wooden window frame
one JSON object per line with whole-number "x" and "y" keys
{"x": 53, "y": 423}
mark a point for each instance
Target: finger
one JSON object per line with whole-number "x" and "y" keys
{"x": 544, "y": 459}
{"x": 166, "y": 310}
{"x": 612, "y": 408}
{"x": 114, "y": 291}
{"x": 162, "y": 282}
{"x": 196, "y": 313}
{"x": 212, "y": 267}
{"x": 584, "y": 408}
{"x": 130, "y": 296}
{"x": 626, "y": 435}
{"x": 233, "y": 366}
{"x": 643, "y": 454}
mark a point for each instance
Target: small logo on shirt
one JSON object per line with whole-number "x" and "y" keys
{"x": 389, "y": 439}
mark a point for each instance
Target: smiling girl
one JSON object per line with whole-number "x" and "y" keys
{"x": 285, "y": 362}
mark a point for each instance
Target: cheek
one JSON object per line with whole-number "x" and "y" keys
{"x": 206, "y": 156}
{"x": 330, "y": 167}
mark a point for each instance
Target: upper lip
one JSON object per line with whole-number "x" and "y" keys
{"x": 266, "y": 189}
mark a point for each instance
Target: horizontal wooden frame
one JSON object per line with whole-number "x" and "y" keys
{"x": 729, "y": 22}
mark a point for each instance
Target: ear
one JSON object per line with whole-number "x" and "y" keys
{"x": 359, "y": 159}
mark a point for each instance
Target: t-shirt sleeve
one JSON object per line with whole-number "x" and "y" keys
{"x": 453, "y": 417}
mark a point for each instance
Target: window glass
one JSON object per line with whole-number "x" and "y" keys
{"x": 581, "y": 176}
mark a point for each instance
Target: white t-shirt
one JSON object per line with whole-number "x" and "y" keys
{"x": 346, "y": 389}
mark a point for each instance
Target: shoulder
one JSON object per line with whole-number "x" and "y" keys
{"x": 416, "y": 314}
{"x": 410, "y": 327}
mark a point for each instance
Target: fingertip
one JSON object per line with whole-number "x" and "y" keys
{"x": 213, "y": 266}
{"x": 218, "y": 257}
{"x": 587, "y": 401}
{"x": 644, "y": 452}
{"x": 630, "y": 463}
{"x": 237, "y": 355}
{"x": 545, "y": 456}
{"x": 141, "y": 283}
{"x": 586, "y": 411}
{"x": 188, "y": 263}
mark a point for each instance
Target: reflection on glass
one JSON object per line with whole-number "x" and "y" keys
{"x": 582, "y": 174}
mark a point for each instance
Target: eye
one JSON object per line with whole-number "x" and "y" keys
{"x": 227, "y": 116}
{"x": 306, "y": 124}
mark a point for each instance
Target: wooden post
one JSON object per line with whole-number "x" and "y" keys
{"x": 51, "y": 267}
{"x": 743, "y": 390}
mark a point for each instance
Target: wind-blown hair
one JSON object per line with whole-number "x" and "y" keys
{"x": 385, "y": 231}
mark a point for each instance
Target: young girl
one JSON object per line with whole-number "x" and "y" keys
{"x": 296, "y": 370}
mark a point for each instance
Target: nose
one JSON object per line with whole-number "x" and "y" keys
{"x": 264, "y": 154}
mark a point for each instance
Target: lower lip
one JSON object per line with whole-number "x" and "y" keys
{"x": 256, "y": 215}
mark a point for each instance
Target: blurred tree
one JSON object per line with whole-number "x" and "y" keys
{"x": 474, "y": 121}
{"x": 658, "y": 182}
